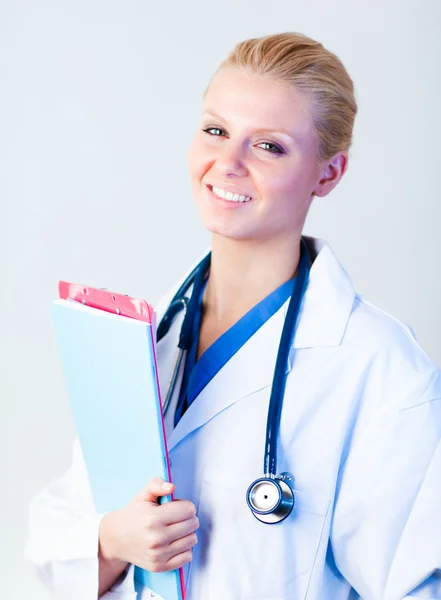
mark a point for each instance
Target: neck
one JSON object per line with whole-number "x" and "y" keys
{"x": 244, "y": 272}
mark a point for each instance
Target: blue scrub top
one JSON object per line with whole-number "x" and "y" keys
{"x": 197, "y": 374}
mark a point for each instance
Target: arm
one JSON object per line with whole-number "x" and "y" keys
{"x": 63, "y": 541}
{"x": 386, "y": 530}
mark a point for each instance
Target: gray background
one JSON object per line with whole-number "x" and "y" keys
{"x": 98, "y": 104}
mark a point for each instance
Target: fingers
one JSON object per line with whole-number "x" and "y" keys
{"x": 175, "y": 512}
{"x": 181, "y": 552}
{"x": 153, "y": 489}
{"x": 177, "y": 531}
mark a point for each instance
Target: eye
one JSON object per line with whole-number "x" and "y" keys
{"x": 276, "y": 149}
{"x": 209, "y": 129}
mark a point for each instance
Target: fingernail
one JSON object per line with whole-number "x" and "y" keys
{"x": 167, "y": 486}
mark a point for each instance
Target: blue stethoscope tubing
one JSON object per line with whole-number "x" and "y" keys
{"x": 271, "y": 497}
{"x": 190, "y": 306}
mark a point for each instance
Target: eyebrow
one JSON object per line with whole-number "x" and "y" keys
{"x": 259, "y": 130}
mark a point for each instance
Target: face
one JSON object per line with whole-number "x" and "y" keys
{"x": 255, "y": 139}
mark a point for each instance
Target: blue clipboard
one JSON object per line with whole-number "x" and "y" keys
{"x": 109, "y": 364}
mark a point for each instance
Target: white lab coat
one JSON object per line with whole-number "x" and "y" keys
{"x": 360, "y": 432}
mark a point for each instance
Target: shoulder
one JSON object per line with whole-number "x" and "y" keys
{"x": 392, "y": 354}
{"x": 380, "y": 330}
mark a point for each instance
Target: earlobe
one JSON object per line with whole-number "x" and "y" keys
{"x": 331, "y": 174}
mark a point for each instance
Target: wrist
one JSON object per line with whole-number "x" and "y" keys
{"x": 107, "y": 548}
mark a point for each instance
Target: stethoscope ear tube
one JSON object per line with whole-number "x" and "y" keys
{"x": 187, "y": 323}
{"x": 177, "y": 301}
{"x": 183, "y": 303}
{"x": 279, "y": 379}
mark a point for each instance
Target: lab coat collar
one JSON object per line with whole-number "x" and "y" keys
{"x": 327, "y": 302}
{"x": 325, "y": 311}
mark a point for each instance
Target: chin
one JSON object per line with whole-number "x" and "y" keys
{"x": 228, "y": 225}
{"x": 226, "y": 228}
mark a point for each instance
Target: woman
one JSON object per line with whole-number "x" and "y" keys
{"x": 361, "y": 418}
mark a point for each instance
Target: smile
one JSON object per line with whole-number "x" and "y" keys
{"x": 220, "y": 193}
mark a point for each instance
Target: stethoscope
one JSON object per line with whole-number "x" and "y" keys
{"x": 271, "y": 497}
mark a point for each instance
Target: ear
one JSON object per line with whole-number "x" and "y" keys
{"x": 331, "y": 173}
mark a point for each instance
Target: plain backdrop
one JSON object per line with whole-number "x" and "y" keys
{"x": 99, "y": 100}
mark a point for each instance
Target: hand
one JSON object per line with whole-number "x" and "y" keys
{"x": 152, "y": 536}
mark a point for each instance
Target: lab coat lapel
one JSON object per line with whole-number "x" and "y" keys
{"x": 235, "y": 380}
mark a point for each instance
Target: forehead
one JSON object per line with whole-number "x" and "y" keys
{"x": 249, "y": 100}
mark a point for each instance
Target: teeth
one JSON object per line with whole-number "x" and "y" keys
{"x": 230, "y": 196}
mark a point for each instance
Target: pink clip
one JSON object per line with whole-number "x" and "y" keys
{"x": 109, "y": 301}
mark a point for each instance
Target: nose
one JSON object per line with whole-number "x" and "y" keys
{"x": 231, "y": 159}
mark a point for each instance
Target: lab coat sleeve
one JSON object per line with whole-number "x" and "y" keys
{"x": 63, "y": 538}
{"x": 386, "y": 528}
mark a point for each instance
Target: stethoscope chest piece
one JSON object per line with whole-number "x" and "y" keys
{"x": 271, "y": 499}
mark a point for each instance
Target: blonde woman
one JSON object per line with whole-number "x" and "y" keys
{"x": 360, "y": 413}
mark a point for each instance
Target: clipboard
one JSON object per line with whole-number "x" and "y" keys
{"x": 106, "y": 343}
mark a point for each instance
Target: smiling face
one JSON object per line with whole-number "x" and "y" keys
{"x": 255, "y": 139}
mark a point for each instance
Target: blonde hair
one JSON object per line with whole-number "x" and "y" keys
{"x": 317, "y": 74}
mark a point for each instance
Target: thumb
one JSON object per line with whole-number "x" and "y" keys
{"x": 153, "y": 489}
